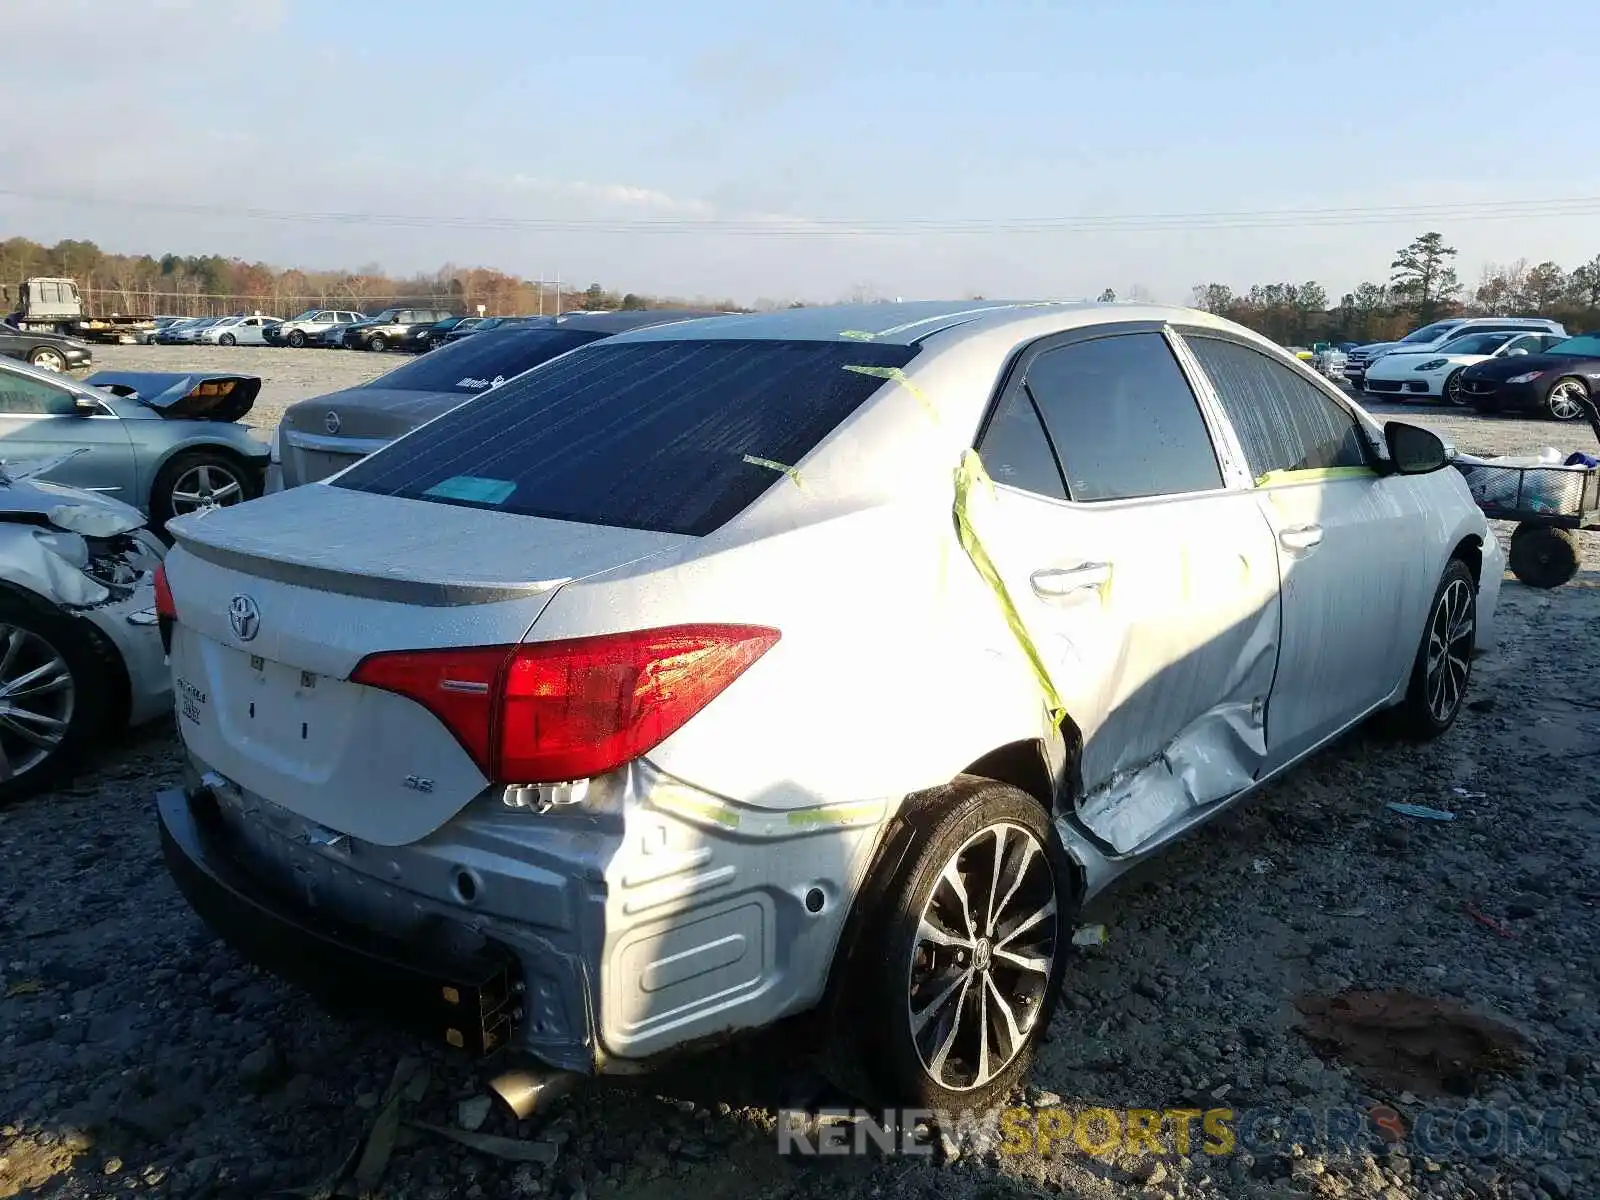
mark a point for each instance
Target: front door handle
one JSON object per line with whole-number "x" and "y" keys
{"x": 1055, "y": 581}
{"x": 1300, "y": 537}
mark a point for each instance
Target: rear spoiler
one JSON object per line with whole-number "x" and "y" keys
{"x": 196, "y": 395}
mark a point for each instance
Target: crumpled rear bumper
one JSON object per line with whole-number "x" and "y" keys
{"x": 1494, "y": 569}
{"x": 465, "y": 998}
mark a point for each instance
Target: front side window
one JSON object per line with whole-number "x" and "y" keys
{"x": 675, "y": 436}
{"x": 1123, "y": 419}
{"x": 24, "y": 396}
{"x": 1284, "y": 422}
{"x": 1584, "y": 346}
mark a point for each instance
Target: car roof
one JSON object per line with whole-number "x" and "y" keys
{"x": 621, "y": 322}
{"x": 908, "y": 323}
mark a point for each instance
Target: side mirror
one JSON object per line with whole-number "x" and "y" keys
{"x": 1414, "y": 450}
{"x": 85, "y": 406}
{"x": 395, "y": 320}
{"x": 1514, "y": 353}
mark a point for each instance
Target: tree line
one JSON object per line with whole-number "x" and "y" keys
{"x": 211, "y": 285}
{"x": 1422, "y": 287}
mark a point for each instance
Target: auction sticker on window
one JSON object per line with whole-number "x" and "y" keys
{"x": 191, "y": 700}
{"x": 473, "y": 489}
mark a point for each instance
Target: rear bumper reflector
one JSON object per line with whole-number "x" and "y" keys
{"x": 466, "y": 1001}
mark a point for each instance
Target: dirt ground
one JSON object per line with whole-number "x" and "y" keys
{"x": 139, "y": 1056}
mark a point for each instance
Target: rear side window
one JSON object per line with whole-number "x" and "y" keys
{"x": 1015, "y": 450}
{"x": 674, "y": 436}
{"x": 1123, "y": 419}
{"x": 1284, "y": 422}
{"x": 477, "y": 363}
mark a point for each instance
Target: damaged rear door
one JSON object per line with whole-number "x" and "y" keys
{"x": 1148, "y": 583}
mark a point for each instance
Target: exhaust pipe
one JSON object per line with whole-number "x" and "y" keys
{"x": 525, "y": 1092}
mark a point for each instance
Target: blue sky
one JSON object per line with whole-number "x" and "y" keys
{"x": 796, "y": 120}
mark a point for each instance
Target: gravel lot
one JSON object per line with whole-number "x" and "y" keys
{"x": 137, "y": 1054}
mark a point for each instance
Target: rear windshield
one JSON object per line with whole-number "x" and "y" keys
{"x": 673, "y": 436}
{"x": 474, "y": 364}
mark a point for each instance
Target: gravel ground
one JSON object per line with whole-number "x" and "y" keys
{"x": 138, "y": 1055}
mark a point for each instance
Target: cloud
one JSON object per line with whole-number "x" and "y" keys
{"x": 619, "y": 195}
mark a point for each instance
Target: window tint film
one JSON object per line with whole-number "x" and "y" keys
{"x": 1284, "y": 422}
{"x": 472, "y": 365}
{"x": 1123, "y": 419}
{"x": 675, "y": 436}
{"x": 1016, "y": 452}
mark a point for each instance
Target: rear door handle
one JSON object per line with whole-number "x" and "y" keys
{"x": 1300, "y": 537}
{"x": 1055, "y": 581}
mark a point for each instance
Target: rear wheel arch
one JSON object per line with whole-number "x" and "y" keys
{"x": 251, "y": 473}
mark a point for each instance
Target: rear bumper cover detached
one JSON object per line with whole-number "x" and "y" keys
{"x": 469, "y": 1000}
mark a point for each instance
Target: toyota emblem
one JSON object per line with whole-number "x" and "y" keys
{"x": 245, "y": 617}
{"x": 331, "y": 422}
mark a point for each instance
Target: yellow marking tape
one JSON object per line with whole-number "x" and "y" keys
{"x": 1313, "y": 475}
{"x": 839, "y": 814}
{"x": 904, "y": 380}
{"x": 673, "y": 800}
{"x": 971, "y": 474}
{"x": 792, "y": 472}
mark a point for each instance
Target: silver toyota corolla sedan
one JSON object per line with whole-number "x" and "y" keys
{"x": 822, "y": 660}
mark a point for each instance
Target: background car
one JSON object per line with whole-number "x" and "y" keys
{"x": 1436, "y": 374}
{"x": 325, "y": 434}
{"x": 47, "y": 351}
{"x": 185, "y": 333}
{"x": 165, "y": 443}
{"x": 1431, "y": 337}
{"x": 148, "y": 336}
{"x": 390, "y": 328}
{"x": 486, "y": 324}
{"x": 237, "y": 331}
{"x": 1555, "y": 382}
{"x": 425, "y": 337}
{"x": 309, "y": 326}
{"x": 574, "y": 646}
{"x": 80, "y": 650}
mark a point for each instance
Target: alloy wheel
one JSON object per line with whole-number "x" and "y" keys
{"x": 982, "y": 958}
{"x": 37, "y": 697}
{"x": 1566, "y": 400}
{"x": 1452, "y": 391}
{"x": 208, "y": 485}
{"x": 1449, "y": 650}
{"x": 48, "y": 360}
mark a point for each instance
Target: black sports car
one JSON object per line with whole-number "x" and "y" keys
{"x": 1554, "y": 383}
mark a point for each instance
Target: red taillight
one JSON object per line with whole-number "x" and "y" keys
{"x": 544, "y": 712}
{"x": 165, "y": 609}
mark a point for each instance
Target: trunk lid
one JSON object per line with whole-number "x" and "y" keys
{"x": 280, "y": 599}
{"x": 323, "y": 436}
{"x": 186, "y": 396}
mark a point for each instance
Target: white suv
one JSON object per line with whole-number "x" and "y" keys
{"x": 1431, "y": 337}
{"x": 310, "y": 325}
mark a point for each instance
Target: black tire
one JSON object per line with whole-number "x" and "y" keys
{"x": 378, "y": 343}
{"x": 215, "y": 463}
{"x": 1543, "y": 556}
{"x": 47, "y": 358}
{"x": 1555, "y": 405}
{"x": 1451, "y": 392}
{"x": 297, "y": 339}
{"x": 1438, "y": 688}
{"x": 90, "y": 678}
{"x": 873, "y": 1022}
{"x": 227, "y": 339}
